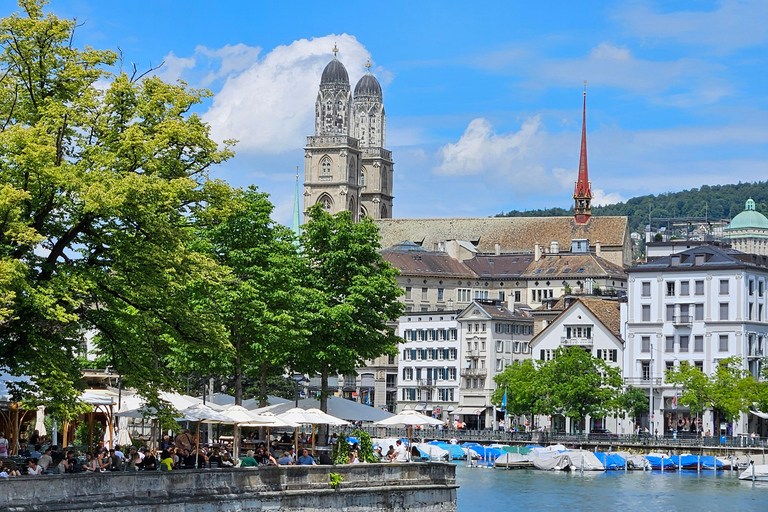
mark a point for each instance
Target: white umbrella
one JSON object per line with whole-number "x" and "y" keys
{"x": 40, "y": 420}
{"x": 242, "y": 416}
{"x": 278, "y": 422}
{"x": 326, "y": 419}
{"x": 310, "y": 417}
{"x": 123, "y": 437}
{"x": 203, "y": 414}
{"x": 409, "y": 418}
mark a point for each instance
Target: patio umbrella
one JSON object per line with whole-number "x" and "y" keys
{"x": 240, "y": 415}
{"x": 40, "y": 420}
{"x": 409, "y": 418}
{"x": 310, "y": 417}
{"x": 123, "y": 437}
{"x": 203, "y": 414}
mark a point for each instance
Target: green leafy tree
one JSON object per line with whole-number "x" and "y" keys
{"x": 260, "y": 303}
{"x": 695, "y": 387}
{"x": 734, "y": 390}
{"x": 520, "y": 381}
{"x": 575, "y": 384}
{"x": 633, "y": 402}
{"x": 351, "y": 295}
{"x": 103, "y": 176}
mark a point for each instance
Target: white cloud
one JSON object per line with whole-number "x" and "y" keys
{"x": 601, "y": 198}
{"x": 175, "y": 67}
{"x": 480, "y": 150}
{"x": 232, "y": 59}
{"x": 268, "y": 103}
{"x": 734, "y": 24}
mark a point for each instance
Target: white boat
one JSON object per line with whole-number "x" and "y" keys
{"x": 512, "y": 461}
{"x": 757, "y": 472}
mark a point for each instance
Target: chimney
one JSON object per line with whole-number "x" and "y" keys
{"x": 554, "y": 247}
{"x": 598, "y": 251}
{"x": 497, "y": 249}
{"x": 537, "y": 252}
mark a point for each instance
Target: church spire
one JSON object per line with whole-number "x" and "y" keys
{"x": 582, "y": 194}
{"x": 295, "y": 224}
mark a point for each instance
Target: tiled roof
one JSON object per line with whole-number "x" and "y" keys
{"x": 499, "y": 312}
{"x": 607, "y": 311}
{"x": 427, "y": 263}
{"x": 513, "y": 234}
{"x": 572, "y": 266}
{"x": 504, "y": 266}
{"x": 713, "y": 258}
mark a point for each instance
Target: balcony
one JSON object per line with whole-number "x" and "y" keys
{"x": 640, "y": 382}
{"x": 582, "y": 342}
{"x": 426, "y": 383}
{"x": 473, "y": 353}
{"x": 474, "y": 372}
{"x": 682, "y": 320}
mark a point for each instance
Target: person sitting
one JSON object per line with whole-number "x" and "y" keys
{"x": 226, "y": 460}
{"x": 377, "y": 453}
{"x": 324, "y": 459}
{"x": 166, "y": 461}
{"x": 24, "y": 451}
{"x": 36, "y": 453}
{"x": 306, "y": 459}
{"x": 134, "y": 460}
{"x": 391, "y": 454}
{"x": 285, "y": 459}
{"x": 353, "y": 458}
{"x": 214, "y": 459}
{"x": 68, "y": 464}
{"x": 115, "y": 462}
{"x": 401, "y": 453}
{"x": 248, "y": 461}
{"x": 264, "y": 458}
{"x": 46, "y": 459}
{"x": 149, "y": 462}
{"x": 91, "y": 464}
{"x": 35, "y": 438}
{"x": 286, "y": 439}
{"x": 34, "y": 468}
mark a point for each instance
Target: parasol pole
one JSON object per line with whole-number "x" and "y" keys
{"x": 313, "y": 440}
{"x": 296, "y": 441}
{"x": 111, "y": 425}
{"x": 236, "y": 447}
{"x": 197, "y": 444}
{"x": 90, "y": 429}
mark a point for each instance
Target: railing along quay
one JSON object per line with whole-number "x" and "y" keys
{"x": 687, "y": 441}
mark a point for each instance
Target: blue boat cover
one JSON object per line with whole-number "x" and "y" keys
{"x": 611, "y": 461}
{"x": 656, "y": 462}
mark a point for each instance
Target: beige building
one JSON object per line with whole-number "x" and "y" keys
{"x": 748, "y": 231}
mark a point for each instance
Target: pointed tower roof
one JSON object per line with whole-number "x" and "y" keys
{"x": 582, "y": 193}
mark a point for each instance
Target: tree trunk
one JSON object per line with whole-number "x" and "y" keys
{"x": 238, "y": 373}
{"x": 263, "y": 385}
{"x": 323, "y": 429}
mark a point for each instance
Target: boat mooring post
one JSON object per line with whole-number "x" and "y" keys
{"x": 753, "y": 472}
{"x": 731, "y": 464}
{"x": 698, "y": 464}
{"x": 662, "y": 464}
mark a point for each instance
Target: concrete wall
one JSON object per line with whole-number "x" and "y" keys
{"x": 421, "y": 487}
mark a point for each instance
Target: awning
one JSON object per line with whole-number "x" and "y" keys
{"x": 763, "y": 415}
{"x": 473, "y": 411}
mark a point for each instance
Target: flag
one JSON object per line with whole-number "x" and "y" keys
{"x": 504, "y": 402}
{"x": 674, "y": 400}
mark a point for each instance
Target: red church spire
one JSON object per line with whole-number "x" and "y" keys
{"x": 582, "y": 193}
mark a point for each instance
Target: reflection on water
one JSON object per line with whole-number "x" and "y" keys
{"x": 495, "y": 489}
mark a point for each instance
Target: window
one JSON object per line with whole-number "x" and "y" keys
{"x": 699, "y": 287}
{"x": 408, "y": 293}
{"x": 325, "y": 169}
{"x": 698, "y": 343}
{"x": 407, "y": 373}
{"x": 751, "y": 287}
{"x": 760, "y": 290}
{"x": 750, "y": 307}
{"x": 669, "y": 345}
{"x": 517, "y": 296}
{"x": 685, "y": 312}
{"x": 546, "y": 354}
{"x": 685, "y": 287}
{"x": 499, "y": 346}
{"x": 482, "y": 346}
{"x": 759, "y": 313}
{"x": 440, "y": 294}
{"x": 607, "y": 355}
{"x": 670, "y": 312}
{"x": 646, "y": 289}
{"x": 646, "y": 344}
{"x": 723, "y": 345}
{"x": 723, "y": 287}
{"x": 670, "y": 288}
{"x": 463, "y": 295}
{"x": 668, "y": 366}
{"x": 698, "y": 311}
{"x": 699, "y": 365}
{"x": 424, "y": 292}
{"x": 362, "y": 178}
{"x": 477, "y": 327}
{"x": 645, "y": 370}
{"x": 646, "y": 309}
{"x": 723, "y": 311}
{"x": 683, "y": 343}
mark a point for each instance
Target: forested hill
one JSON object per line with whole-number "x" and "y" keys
{"x": 716, "y": 202}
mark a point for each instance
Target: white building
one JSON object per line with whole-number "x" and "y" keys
{"x": 493, "y": 337}
{"x": 701, "y": 305}
{"x": 595, "y": 325}
{"x": 428, "y": 366}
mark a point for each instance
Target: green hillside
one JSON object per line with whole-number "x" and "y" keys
{"x": 717, "y": 202}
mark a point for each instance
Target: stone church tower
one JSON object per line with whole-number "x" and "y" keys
{"x": 345, "y": 164}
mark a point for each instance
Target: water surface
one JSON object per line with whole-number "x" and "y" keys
{"x": 489, "y": 490}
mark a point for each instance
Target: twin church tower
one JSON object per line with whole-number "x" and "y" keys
{"x": 346, "y": 166}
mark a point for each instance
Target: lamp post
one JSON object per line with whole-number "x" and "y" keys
{"x": 299, "y": 379}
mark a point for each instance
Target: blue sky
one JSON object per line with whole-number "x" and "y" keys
{"x": 483, "y": 99}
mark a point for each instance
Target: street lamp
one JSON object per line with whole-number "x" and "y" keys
{"x": 299, "y": 379}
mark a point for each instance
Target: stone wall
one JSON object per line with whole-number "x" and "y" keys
{"x": 421, "y": 487}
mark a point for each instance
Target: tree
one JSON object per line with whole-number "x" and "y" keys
{"x": 351, "y": 295}
{"x": 520, "y": 383}
{"x": 734, "y": 390}
{"x": 634, "y": 402}
{"x": 696, "y": 387}
{"x": 576, "y": 384}
{"x": 260, "y": 303}
{"x": 103, "y": 177}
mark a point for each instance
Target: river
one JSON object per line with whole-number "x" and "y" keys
{"x": 490, "y": 490}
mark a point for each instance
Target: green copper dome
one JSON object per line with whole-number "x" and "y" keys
{"x": 748, "y": 219}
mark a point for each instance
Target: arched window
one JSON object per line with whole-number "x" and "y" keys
{"x": 362, "y": 178}
{"x": 384, "y": 211}
{"x": 325, "y": 169}
{"x": 352, "y": 170}
{"x": 363, "y": 212}
{"x": 326, "y": 201}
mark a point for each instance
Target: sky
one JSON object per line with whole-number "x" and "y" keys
{"x": 483, "y": 99}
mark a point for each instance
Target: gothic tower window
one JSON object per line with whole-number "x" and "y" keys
{"x": 362, "y": 178}
{"x": 352, "y": 171}
{"x": 325, "y": 169}
{"x": 326, "y": 201}
{"x": 384, "y": 211}
{"x": 363, "y": 212}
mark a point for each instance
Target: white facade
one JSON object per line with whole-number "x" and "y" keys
{"x": 493, "y": 337}
{"x": 428, "y": 366}
{"x": 701, "y": 306}
{"x": 593, "y": 324}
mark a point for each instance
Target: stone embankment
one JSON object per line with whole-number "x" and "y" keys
{"x": 419, "y": 487}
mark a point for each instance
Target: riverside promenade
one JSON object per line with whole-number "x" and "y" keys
{"x": 418, "y": 487}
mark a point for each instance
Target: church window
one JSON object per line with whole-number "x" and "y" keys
{"x": 325, "y": 169}
{"x": 362, "y": 179}
{"x": 326, "y": 201}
